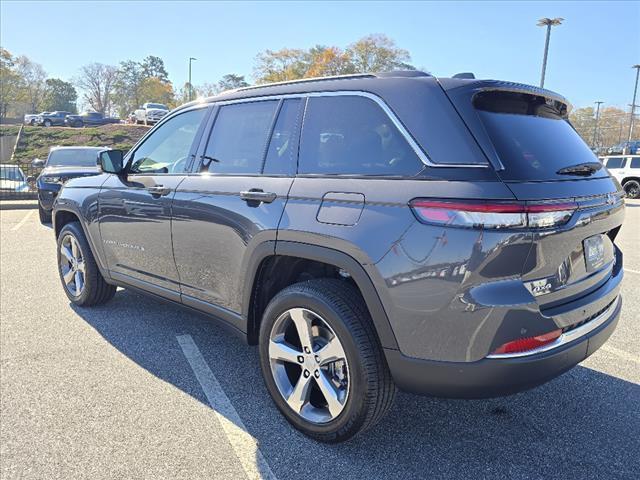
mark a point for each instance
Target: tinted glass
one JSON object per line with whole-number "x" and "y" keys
{"x": 157, "y": 105}
{"x": 239, "y": 138}
{"x": 635, "y": 163}
{"x": 76, "y": 157}
{"x": 531, "y": 136}
{"x": 615, "y": 162}
{"x": 281, "y": 154}
{"x": 167, "y": 149}
{"x": 352, "y": 135}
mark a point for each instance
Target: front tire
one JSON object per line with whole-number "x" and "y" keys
{"x": 81, "y": 279}
{"x": 47, "y": 123}
{"x": 632, "y": 188}
{"x": 322, "y": 361}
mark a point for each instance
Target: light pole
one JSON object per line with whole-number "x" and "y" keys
{"x": 548, "y": 22}
{"x": 190, "y": 86}
{"x": 595, "y": 127}
{"x": 633, "y": 103}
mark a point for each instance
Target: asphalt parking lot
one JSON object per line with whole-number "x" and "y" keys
{"x": 140, "y": 389}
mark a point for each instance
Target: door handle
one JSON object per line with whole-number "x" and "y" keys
{"x": 257, "y": 195}
{"x": 159, "y": 190}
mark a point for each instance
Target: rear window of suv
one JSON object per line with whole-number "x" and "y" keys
{"x": 615, "y": 162}
{"x": 532, "y": 136}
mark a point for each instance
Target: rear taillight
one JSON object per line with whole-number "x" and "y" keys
{"x": 493, "y": 214}
{"x": 530, "y": 343}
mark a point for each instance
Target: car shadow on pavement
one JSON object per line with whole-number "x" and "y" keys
{"x": 585, "y": 424}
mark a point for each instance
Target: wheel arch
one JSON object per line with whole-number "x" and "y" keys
{"x": 270, "y": 251}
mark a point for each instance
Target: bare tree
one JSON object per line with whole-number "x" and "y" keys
{"x": 33, "y": 79}
{"x": 97, "y": 81}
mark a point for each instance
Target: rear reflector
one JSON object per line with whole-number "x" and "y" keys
{"x": 529, "y": 343}
{"x": 492, "y": 214}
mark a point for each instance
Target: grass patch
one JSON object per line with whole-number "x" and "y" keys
{"x": 35, "y": 142}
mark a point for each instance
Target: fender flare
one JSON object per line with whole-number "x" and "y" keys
{"x": 326, "y": 255}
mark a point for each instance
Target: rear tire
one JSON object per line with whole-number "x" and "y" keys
{"x": 368, "y": 391}
{"x": 632, "y": 188}
{"x": 47, "y": 123}
{"x": 90, "y": 288}
{"x": 45, "y": 216}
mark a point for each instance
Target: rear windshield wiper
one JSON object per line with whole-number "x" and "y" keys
{"x": 584, "y": 169}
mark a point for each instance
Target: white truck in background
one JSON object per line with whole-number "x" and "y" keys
{"x": 151, "y": 113}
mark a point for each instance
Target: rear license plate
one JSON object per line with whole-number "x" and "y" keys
{"x": 593, "y": 252}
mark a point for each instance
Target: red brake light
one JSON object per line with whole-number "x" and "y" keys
{"x": 529, "y": 343}
{"x": 493, "y": 214}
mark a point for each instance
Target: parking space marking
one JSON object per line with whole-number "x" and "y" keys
{"x": 22, "y": 222}
{"x": 244, "y": 445}
{"x": 621, "y": 353}
{"x": 632, "y": 271}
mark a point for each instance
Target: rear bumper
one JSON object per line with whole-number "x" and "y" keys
{"x": 492, "y": 377}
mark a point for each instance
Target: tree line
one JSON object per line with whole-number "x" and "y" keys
{"x": 120, "y": 89}
{"x": 613, "y": 125}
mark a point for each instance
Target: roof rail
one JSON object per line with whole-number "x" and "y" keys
{"x": 307, "y": 80}
{"x": 402, "y": 74}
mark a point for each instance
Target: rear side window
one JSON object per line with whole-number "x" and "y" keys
{"x": 239, "y": 138}
{"x": 615, "y": 162}
{"x": 635, "y": 163}
{"x": 531, "y": 135}
{"x": 352, "y": 135}
{"x": 283, "y": 146}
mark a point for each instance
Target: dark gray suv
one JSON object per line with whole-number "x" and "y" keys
{"x": 452, "y": 237}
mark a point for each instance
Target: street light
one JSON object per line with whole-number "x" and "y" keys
{"x": 595, "y": 128}
{"x": 548, "y": 22}
{"x": 190, "y": 86}
{"x": 633, "y": 103}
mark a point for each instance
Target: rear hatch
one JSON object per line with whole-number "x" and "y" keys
{"x": 525, "y": 133}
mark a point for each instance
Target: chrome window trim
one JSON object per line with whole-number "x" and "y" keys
{"x": 566, "y": 337}
{"x": 424, "y": 158}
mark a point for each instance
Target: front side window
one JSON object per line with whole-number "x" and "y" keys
{"x": 352, "y": 135}
{"x": 615, "y": 162}
{"x": 167, "y": 149}
{"x": 239, "y": 138}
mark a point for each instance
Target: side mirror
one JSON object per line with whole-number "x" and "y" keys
{"x": 111, "y": 161}
{"x": 37, "y": 163}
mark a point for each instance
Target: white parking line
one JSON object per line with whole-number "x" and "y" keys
{"x": 244, "y": 445}
{"x": 22, "y": 222}
{"x": 632, "y": 271}
{"x": 621, "y": 353}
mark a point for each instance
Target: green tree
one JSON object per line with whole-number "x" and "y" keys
{"x": 378, "y": 53}
{"x": 10, "y": 83}
{"x": 153, "y": 66}
{"x": 59, "y": 95}
{"x": 153, "y": 89}
{"x": 326, "y": 61}
{"x": 126, "y": 88}
{"x": 231, "y": 81}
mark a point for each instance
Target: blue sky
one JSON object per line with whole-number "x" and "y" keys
{"x": 590, "y": 56}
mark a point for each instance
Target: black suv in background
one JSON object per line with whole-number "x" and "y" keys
{"x": 89, "y": 119}
{"x": 453, "y": 237}
{"x": 63, "y": 164}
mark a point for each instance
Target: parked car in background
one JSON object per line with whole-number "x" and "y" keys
{"x": 452, "y": 237}
{"x": 12, "y": 179}
{"x": 625, "y": 148}
{"x": 31, "y": 118}
{"x": 62, "y": 164}
{"x": 151, "y": 113}
{"x": 89, "y": 119}
{"x": 56, "y": 118}
{"x": 626, "y": 169}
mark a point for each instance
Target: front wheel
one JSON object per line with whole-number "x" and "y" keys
{"x": 81, "y": 279}
{"x": 322, "y": 362}
{"x": 47, "y": 123}
{"x": 632, "y": 188}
